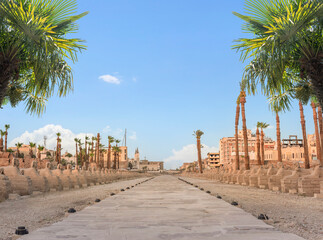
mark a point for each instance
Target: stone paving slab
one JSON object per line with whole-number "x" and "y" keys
{"x": 162, "y": 208}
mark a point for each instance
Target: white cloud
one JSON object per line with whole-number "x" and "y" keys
{"x": 188, "y": 153}
{"x": 133, "y": 136}
{"x": 50, "y": 131}
{"x": 134, "y": 79}
{"x": 110, "y": 79}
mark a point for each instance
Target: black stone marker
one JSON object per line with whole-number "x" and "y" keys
{"x": 263, "y": 217}
{"x": 71, "y": 210}
{"x": 112, "y": 194}
{"x": 201, "y": 189}
{"x": 97, "y": 200}
{"x": 219, "y": 197}
{"x": 128, "y": 187}
{"x": 122, "y": 190}
{"x": 234, "y": 203}
{"x": 21, "y": 230}
{"x": 208, "y": 192}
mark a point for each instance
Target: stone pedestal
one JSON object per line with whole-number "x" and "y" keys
{"x": 39, "y": 183}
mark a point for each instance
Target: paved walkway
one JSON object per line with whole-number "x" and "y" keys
{"x": 162, "y": 208}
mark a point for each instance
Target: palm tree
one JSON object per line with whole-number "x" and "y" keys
{"x": 98, "y": 149}
{"x": 18, "y": 145}
{"x": 237, "y": 164}
{"x": 57, "y": 147}
{"x": 319, "y": 111}
{"x": 262, "y": 126}
{"x": 86, "y": 150}
{"x": 2, "y": 133}
{"x": 92, "y": 148}
{"x": 76, "y": 154}
{"x": 303, "y": 124}
{"x": 198, "y": 134}
{"x": 81, "y": 152}
{"x": 279, "y": 102}
{"x": 258, "y": 144}
{"x": 34, "y": 55}
{"x": 317, "y": 134}
{"x": 288, "y": 32}
{"x": 7, "y": 126}
{"x": 244, "y": 129}
{"x": 117, "y": 152}
{"x": 40, "y": 149}
{"x": 31, "y": 146}
{"x": 111, "y": 140}
{"x": 114, "y": 149}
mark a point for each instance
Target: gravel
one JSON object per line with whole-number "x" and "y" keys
{"x": 40, "y": 210}
{"x": 300, "y": 215}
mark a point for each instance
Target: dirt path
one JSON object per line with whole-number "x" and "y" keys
{"x": 287, "y": 212}
{"x": 37, "y": 211}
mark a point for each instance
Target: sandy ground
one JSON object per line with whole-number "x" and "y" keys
{"x": 36, "y": 211}
{"x": 287, "y": 212}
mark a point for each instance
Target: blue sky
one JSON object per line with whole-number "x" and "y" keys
{"x": 176, "y": 73}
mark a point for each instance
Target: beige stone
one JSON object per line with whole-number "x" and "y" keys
{"x": 73, "y": 177}
{"x": 310, "y": 184}
{"x": 39, "y": 183}
{"x": 289, "y": 184}
{"x": 55, "y": 183}
{"x": 20, "y": 184}
{"x": 66, "y": 180}
{"x": 263, "y": 179}
{"x": 5, "y": 186}
{"x": 80, "y": 176}
{"x": 274, "y": 182}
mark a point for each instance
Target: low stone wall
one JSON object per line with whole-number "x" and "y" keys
{"x": 25, "y": 181}
{"x": 296, "y": 180}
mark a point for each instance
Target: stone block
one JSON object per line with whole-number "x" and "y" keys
{"x": 53, "y": 180}
{"x": 39, "y": 183}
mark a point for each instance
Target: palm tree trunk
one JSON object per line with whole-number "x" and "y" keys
{"x": 1, "y": 144}
{"x": 115, "y": 160}
{"x": 237, "y": 164}
{"x": 118, "y": 161}
{"x": 279, "y": 145}
{"x": 109, "y": 157}
{"x": 262, "y": 147}
{"x": 244, "y": 127}
{"x": 306, "y": 156}
{"x": 76, "y": 154}
{"x": 321, "y": 131}
{"x": 258, "y": 147}
{"x": 317, "y": 134}
{"x": 314, "y": 70}
{"x": 199, "y": 157}
{"x": 98, "y": 149}
{"x": 91, "y": 159}
{"x": 6, "y": 142}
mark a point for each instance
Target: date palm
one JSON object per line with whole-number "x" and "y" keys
{"x": 279, "y": 102}
{"x": 92, "y": 149}
{"x": 244, "y": 128}
{"x": 18, "y": 146}
{"x": 57, "y": 147}
{"x": 110, "y": 141}
{"x": 2, "y": 133}
{"x": 76, "y": 153}
{"x": 117, "y": 153}
{"x": 31, "y": 146}
{"x": 86, "y": 150}
{"x": 40, "y": 149}
{"x": 287, "y": 37}
{"x": 258, "y": 144}
{"x": 198, "y": 134}
{"x": 36, "y": 50}
{"x": 7, "y": 126}
{"x": 317, "y": 132}
{"x": 262, "y": 126}
{"x": 237, "y": 163}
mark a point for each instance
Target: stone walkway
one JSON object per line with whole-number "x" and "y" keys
{"x": 162, "y": 208}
